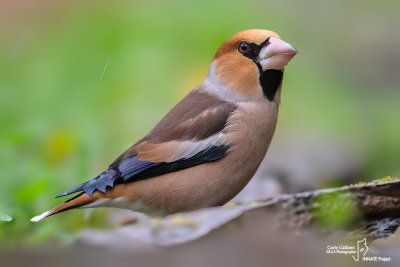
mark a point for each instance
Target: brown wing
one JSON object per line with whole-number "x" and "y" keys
{"x": 189, "y": 126}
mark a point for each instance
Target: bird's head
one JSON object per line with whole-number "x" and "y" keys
{"x": 250, "y": 64}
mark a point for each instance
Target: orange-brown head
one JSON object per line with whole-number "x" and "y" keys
{"x": 251, "y": 63}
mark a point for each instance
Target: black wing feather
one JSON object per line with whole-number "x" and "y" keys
{"x": 132, "y": 169}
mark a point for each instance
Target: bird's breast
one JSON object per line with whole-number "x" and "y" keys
{"x": 250, "y": 130}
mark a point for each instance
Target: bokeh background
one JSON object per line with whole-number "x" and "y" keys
{"x": 80, "y": 81}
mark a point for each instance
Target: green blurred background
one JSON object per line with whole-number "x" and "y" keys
{"x": 81, "y": 81}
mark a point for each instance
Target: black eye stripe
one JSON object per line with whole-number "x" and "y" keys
{"x": 253, "y": 50}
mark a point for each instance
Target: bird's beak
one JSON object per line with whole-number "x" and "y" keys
{"x": 276, "y": 54}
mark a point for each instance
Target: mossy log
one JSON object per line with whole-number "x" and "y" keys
{"x": 370, "y": 210}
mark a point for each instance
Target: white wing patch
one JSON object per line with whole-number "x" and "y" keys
{"x": 190, "y": 148}
{"x": 175, "y": 150}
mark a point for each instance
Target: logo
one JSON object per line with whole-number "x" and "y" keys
{"x": 362, "y": 248}
{"x": 358, "y": 251}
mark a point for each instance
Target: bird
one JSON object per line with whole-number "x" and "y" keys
{"x": 206, "y": 148}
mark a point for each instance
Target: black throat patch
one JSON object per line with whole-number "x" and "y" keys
{"x": 270, "y": 80}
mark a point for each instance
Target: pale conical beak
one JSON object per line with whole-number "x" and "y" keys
{"x": 276, "y": 54}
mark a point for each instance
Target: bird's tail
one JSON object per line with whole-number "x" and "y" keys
{"x": 76, "y": 202}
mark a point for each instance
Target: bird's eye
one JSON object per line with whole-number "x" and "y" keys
{"x": 244, "y": 47}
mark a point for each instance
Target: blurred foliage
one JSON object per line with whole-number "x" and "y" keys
{"x": 80, "y": 82}
{"x": 335, "y": 210}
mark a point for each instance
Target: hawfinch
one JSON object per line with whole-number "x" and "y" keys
{"x": 207, "y": 148}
